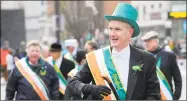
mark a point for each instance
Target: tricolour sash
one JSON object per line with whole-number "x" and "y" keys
{"x": 37, "y": 84}
{"x": 165, "y": 89}
{"x": 101, "y": 65}
{"x": 62, "y": 80}
{"x": 69, "y": 56}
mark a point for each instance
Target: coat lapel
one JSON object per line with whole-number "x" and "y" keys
{"x": 135, "y": 59}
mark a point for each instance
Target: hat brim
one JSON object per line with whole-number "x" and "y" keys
{"x": 55, "y": 50}
{"x": 144, "y": 38}
{"x": 129, "y": 21}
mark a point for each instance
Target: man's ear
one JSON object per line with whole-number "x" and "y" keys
{"x": 131, "y": 31}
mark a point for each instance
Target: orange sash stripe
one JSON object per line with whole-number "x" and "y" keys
{"x": 94, "y": 68}
{"x": 29, "y": 78}
{"x": 61, "y": 90}
{"x": 163, "y": 97}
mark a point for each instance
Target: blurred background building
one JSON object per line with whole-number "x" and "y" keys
{"x": 81, "y": 19}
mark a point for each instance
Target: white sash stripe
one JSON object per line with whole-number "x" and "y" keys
{"x": 103, "y": 68}
{"x": 165, "y": 90}
{"x": 62, "y": 85}
{"x": 34, "y": 76}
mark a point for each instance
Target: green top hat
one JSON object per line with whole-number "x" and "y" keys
{"x": 127, "y": 13}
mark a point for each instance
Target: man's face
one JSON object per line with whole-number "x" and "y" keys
{"x": 119, "y": 33}
{"x": 150, "y": 45}
{"x": 88, "y": 47}
{"x": 70, "y": 49}
{"x": 6, "y": 44}
{"x": 33, "y": 53}
{"x": 55, "y": 54}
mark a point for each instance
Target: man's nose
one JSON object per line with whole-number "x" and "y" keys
{"x": 112, "y": 33}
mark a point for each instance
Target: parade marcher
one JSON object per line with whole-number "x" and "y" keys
{"x": 167, "y": 67}
{"x": 61, "y": 65}
{"x": 32, "y": 78}
{"x": 81, "y": 60}
{"x": 72, "y": 47}
{"x": 90, "y": 46}
{"x": 118, "y": 71}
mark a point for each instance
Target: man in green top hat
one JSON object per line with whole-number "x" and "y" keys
{"x": 119, "y": 71}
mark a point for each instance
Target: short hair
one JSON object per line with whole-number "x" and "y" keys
{"x": 93, "y": 44}
{"x": 81, "y": 54}
{"x": 33, "y": 43}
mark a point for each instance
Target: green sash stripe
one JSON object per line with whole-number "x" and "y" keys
{"x": 114, "y": 75}
{"x": 61, "y": 77}
{"x": 161, "y": 75}
{"x": 70, "y": 57}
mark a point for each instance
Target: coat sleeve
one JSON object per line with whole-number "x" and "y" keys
{"x": 55, "y": 85}
{"x": 76, "y": 83}
{"x": 177, "y": 77}
{"x": 153, "y": 86}
{"x": 11, "y": 85}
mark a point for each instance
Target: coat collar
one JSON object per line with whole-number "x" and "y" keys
{"x": 135, "y": 59}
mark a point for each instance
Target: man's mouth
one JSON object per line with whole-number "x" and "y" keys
{"x": 114, "y": 39}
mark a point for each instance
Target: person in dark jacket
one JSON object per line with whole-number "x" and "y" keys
{"x": 118, "y": 71}
{"x": 81, "y": 60}
{"x": 62, "y": 66}
{"x": 32, "y": 78}
{"x": 167, "y": 64}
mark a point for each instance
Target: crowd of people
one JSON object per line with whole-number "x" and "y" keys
{"x": 119, "y": 71}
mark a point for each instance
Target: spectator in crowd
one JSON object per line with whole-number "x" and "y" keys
{"x": 167, "y": 67}
{"x": 90, "y": 46}
{"x": 10, "y": 62}
{"x": 4, "y": 51}
{"x": 20, "y": 52}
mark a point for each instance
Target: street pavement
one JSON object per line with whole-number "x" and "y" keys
{"x": 182, "y": 66}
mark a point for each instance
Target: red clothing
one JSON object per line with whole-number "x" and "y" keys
{"x": 4, "y": 53}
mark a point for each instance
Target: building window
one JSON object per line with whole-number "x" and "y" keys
{"x": 160, "y": 5}
{"x": 144, "y": 9}
{"x": 144, "y": 13}
{"x": 152, "y": 6}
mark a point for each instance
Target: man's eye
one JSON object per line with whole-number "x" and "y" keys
{"x": 117, "y": 29}
{"x": 110, "y": 29}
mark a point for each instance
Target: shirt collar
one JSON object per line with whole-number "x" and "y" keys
{"x": 123, "y": 53}
{"x": 31, "y": 63}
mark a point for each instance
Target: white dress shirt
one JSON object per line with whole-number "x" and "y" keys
{"x": 121, "y": 61}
